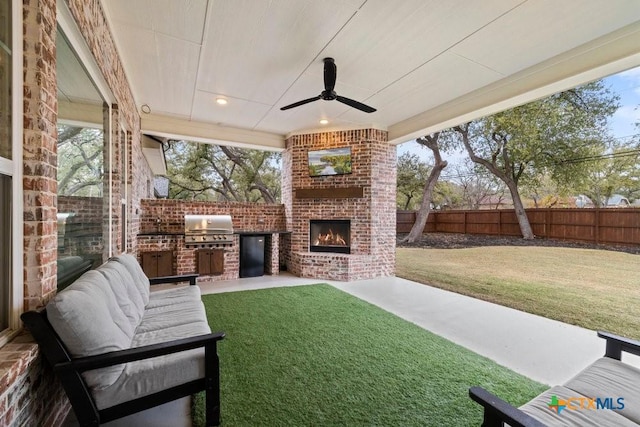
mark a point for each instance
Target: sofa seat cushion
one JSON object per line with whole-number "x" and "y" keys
{"x": 173, "y": 296}
{"x": 608, "y": 377}
{"x": 539, "y": 409}
{"x": 89, "y": 321}
{"x": 145, "y": 377}
{"x": 166, "y": 316}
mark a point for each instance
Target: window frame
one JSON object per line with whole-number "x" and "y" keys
{"x": 13, "y": 168}
{"x": 77, "y": 42}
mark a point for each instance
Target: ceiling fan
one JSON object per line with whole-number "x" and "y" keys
{"x": 328, "y": 94}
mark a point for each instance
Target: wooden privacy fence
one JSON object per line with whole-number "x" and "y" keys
{"x": 615, "y": 226}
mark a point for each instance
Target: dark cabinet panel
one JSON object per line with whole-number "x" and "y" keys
{"x": 210, "y": 261}
{"x": 157, "y": 263}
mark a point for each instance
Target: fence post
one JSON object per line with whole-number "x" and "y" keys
{"x": 597, "y": 225}
{"x": 499, "y": 223}
{"x": 464, "y": 223}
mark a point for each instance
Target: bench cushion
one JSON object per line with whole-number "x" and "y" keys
{"x": 608, "y": 377}
{"x": 127, "y": 295}
{"x": 539, "y": 409}
{"x": 140, "y": 280}
{"x": 166, "y": 316}
{"x": 145, "y": 377}
{"x": 173, "y": 296}
{"x": 89, "y": 321}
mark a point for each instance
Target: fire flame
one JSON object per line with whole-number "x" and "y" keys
{"x": 330, "y": 239}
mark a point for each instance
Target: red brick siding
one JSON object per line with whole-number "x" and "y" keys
{"x": 29, "y": 393}
{"x": 167, "y": 216}
{"x": 372, "y": 216}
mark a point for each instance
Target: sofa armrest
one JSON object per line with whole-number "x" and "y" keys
{"x": 617, "y": 344}
{"x": 88, "y": 363}
{"x": 497, "y": 411}
{"x": 191, "y": 278}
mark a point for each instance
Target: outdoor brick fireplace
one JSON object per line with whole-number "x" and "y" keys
{"x": 358, "y": 206}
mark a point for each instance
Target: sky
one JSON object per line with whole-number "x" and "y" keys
{"x": 625, "y": 84}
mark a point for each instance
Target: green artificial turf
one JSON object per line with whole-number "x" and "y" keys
{"x": 316, "y": 356}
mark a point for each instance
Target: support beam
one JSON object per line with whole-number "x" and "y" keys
{"x": 176, "y": 128}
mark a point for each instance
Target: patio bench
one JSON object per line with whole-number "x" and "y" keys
{"x": 606, "y": 393}
{"x": 119, "y": 348}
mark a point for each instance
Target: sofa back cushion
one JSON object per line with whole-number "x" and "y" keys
{"x": 126, "y": 292}
{"x": 89, "y": 321}
{"x": 140, "y": 279}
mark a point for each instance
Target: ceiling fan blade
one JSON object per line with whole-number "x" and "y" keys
{"x": 330, "y": 71}
{"x": 299, "y": 103}
{"x": 355, "y": 104}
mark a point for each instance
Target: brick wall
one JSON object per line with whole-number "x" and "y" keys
{"x": 372, "y": 216}
{"x": 167, "y": 217}
{"x": 245, "y": 216}
{"x": 29, "y": 393}
{"x": 27, "y": 398}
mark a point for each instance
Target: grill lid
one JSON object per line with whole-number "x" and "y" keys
{"x": 208, "y": 224}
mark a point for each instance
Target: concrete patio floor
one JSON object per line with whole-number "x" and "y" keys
{"x": 545, "y": 350}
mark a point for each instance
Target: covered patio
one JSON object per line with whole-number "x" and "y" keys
{"x": 544, "y": 350}
{"x": 217, "y": 72}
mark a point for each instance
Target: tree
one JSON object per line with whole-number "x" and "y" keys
{"x": 412, "y": 174}
{"x": 431, "y": 142}
{"x": 519, "y": 145}
{"x": 80, "y": 161}
{"x": 209, "y": 172}
{"x": 614, "y": 171}
{"x": 475, "y": 184}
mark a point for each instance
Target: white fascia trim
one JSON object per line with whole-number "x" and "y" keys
{"x": 17, "y": 293}
{"x": 189, "y": 130}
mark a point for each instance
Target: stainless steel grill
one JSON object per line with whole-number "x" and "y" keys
{"x": 208, "y": 230}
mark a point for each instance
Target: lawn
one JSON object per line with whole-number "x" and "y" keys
{"x": 595, "y": 289}
{"x": 317, "y": 356}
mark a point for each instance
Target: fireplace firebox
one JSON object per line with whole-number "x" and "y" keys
{"x": 330, "y": 235}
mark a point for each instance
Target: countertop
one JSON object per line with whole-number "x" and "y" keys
{"x": 239, "y": 232}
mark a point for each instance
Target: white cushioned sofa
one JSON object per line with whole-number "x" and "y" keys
{"x": 605, "y": 394}
{"x": 120, "y": 348}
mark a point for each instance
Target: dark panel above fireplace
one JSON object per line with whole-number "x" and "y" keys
{"x": 330, "y": 236}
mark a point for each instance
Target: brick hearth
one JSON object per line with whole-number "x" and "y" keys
{"x": 371, "y": 210}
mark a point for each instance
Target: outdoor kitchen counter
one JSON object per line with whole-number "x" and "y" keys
{"x": 241, "y": 233}
{"x": 261, "y": 233}
{"x": 160, "y": 233}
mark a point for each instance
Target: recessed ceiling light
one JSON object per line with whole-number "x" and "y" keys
{"x": 324, "y": 121}
{"x": 221, "y": 101}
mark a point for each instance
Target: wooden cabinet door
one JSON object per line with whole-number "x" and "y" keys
{"x": 157, "y": 263}
{"x": 203, "y": 265}
{"x": 150, "y": 264}
{"x": 210, "y": 261}
{"x": 217, "y": 261}
{"x": 165, "y": 263}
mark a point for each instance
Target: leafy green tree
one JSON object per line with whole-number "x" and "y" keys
{"x": 209, "y": 172}
{"x": 615, "y": 171}
{"x": 80, "y": 161}
{"x": 412, "y": 174}
{"x": 520, "y": 145}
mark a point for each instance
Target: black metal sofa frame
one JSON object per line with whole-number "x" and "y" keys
{"x": 69, "y": 369}
{"x": 497, "y": 412}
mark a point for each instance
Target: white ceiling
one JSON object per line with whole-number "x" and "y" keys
{"x": 424, "y": 64}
